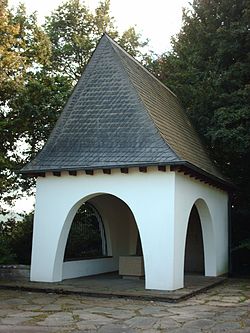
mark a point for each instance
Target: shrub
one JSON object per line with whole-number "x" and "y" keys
{"x": 16, "y": 240}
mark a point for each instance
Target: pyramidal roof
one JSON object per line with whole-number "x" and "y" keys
{"x": 120, "y": 115}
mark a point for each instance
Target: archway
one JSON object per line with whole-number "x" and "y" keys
{"x": 87, "y": 238}
{"x": 200, "y": 251}
{"x": 117, "y": 233}
{"x": 194, "y": 251}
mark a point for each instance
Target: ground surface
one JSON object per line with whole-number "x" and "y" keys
{"x": 225, "y": 308}
{"x": 111, "y": 284}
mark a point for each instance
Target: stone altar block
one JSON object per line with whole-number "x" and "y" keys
{"x": 131, "y": 266}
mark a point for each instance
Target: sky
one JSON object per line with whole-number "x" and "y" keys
{"x": 156, "y": 20}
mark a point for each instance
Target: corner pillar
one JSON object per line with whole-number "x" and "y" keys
{"x": 49, "y": 227}
{"x": 156, "y": 222}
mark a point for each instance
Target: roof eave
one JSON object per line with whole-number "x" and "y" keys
{"x": 202, "y": 175}
{"x": 179, "y": 166}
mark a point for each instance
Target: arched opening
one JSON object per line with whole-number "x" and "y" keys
{"x": 200, "y": 250}
{"x": 86, "y": 237}
{"x": 96, "y": 234}
{"x": 120, "y": 224}
{"x": 194, "y": 251}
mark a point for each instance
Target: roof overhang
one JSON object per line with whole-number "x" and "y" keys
{"x": 182, "y": 167}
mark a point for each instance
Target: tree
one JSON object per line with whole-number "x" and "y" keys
{"x": 39, "y": 68}
{"x": 208, "y": 69}
{"x": 16, "y": 240}
{"x": 74, "y": 32}
{"x": 23, "y": 49}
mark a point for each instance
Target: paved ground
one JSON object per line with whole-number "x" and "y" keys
{"x": 112, "y": 284}
{"x": 225, "y": 308}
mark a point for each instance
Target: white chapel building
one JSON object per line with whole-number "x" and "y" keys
{"x": 124, "y": 152}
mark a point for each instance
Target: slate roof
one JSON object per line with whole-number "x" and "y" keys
{"x": 120, "y": 115}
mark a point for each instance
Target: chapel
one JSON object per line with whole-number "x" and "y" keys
{"x": 124, "y": 156}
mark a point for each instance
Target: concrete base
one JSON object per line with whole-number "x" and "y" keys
{"x": 111, "y": 285}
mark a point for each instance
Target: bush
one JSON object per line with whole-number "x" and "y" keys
{"x": 16, "y": 241}
{"x": 6, "y": 254}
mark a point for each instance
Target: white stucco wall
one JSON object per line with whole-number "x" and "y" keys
{"x": 212, "y": 205}
{"x": 160, "y": 202}
{"x": 120, "y": 225}
{"x": 73, "y": 269}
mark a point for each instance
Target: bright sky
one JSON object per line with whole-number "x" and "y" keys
{"x": 156, "y": 20}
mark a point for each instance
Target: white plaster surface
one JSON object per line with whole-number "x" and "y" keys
{"x": 73, "y": 269}
{"x": 212, "y": 205}
{"x": 160, "y": 203}
{"x": 120, "y": 225}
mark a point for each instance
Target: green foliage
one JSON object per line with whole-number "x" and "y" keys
{"x": 36, "y": 108}
{"x": 24, "y": 48}
{"x": 245, "y": 244}
{"x": 208, "y": 69}
{"x": 6, "y": 254}
{"x": 84, "y": 238}
{"x": 38, "y": 68}
{"x": 74, "y": 32}
{"x": 16, "y": 240}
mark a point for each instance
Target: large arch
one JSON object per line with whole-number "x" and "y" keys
{"x": 121, "y": 239}
{"x": 208, "y": 235}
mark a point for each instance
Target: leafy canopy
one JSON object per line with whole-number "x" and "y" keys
{"x": 208, "y": 68}
{"x": 74, "y": 32}
{"x": 38, "y": 68}
{"x": 23, "y": 48}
